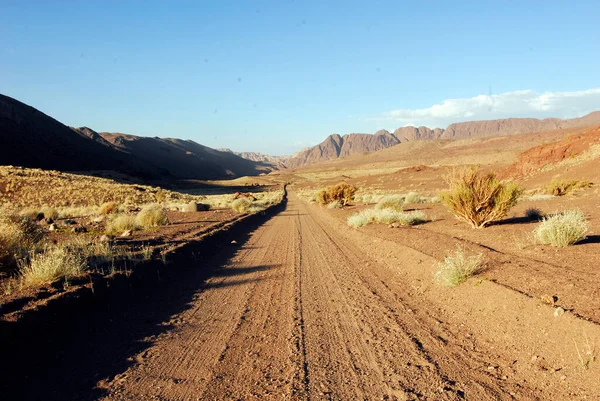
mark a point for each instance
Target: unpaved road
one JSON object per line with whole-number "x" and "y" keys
{"x": 300, "y": 314}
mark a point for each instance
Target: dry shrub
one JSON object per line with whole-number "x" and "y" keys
{"x": 562, "y": 229}
{"x": 341, "y": 192}
{"x": 18, "y": 234}
{"x": 121, "y": 223}
{"x": 152, "y": 215}
{"x": 562, "y": 187}
{"x": 334, "y": 205}
{"x": 49, "y": 212}
{"x": 393, "y": 202}
{"x": 478, "y": 198}
{"x": 50, "y": 265}
{"x": 385, "y": 216}
{"x": 109, "y": 207}
{"x": 457, "y": 268}
{"x": 241, "y": 205}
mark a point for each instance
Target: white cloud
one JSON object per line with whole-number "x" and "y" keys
{"x": 524, "y": 103}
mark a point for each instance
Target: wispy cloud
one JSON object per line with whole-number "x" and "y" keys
{"x": 525, "y": 103}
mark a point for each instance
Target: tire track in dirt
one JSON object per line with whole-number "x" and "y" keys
{"x": 301, "y": 314}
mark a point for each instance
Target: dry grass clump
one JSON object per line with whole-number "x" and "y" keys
{"x": 562, "y": 187}
{"x": 241, "y": 205}
{"x": 562, "y": 229}
{"x": 413, "y": 197}
{"x": 121, "y": 223}
{"x": 335, "y": 205}
{"x": 52, "y": 264}
{"x": 342, "y": 192}
{"x": 393, "y": 202}
{"x": 152, "y": 215}
{"x": 385, "y": 216}
{"x": 540, "y": 197}
{"x": 109, "y": 207}
{"x": 457, "y": 268}
{"x": 18, "y": 235}
{"x": 479, "y": 198}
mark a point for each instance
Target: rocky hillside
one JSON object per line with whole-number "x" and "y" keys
{"x": 336, "y": 146}
{"x": 30, "y": 138}
{"x": 275, "y": 161}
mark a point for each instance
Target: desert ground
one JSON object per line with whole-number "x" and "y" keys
{"x": 284, "y": 299}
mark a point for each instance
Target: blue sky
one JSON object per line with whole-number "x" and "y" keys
{"x": 277, "y": 76}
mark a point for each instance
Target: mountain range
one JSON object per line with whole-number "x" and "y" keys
{"x": 30, "y": 138}
{"x": 337, "y": 146}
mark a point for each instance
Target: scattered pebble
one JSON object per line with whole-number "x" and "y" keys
{"x": 559, "y": 312}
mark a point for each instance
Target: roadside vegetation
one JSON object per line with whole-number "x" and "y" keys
{"x": 341, "y": 192}
{"x": 563, "y": 187}
{"x": 458, "y": 267}
{"x": 562, "y": 229}
{"x": 478, "y": 198}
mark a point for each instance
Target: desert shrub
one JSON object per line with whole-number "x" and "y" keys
{"x": 413, "y": 197}
{"x": 435, "y": 199}
{"x": 109, "y": 207}
{"x": 413, "y": 218}
{"x": 121, "y": 223}
{"x": 342, "y": 192}
{"x": 562, "y": 229}
{"x": 31, "y": 213}
{"x": 152, "y": 215}
{"x": 52, "y": 264}
{"x": 18, "y": 235}
{"x": 457, "y": 267}
{"x": 385, "y": 216}
{"x": 334, "y": 205}
{"x": 562, "y": 187}
{"x": 241, "y": 205}
{"x": 393, "y": 202}
{"x": 479, "y": 198}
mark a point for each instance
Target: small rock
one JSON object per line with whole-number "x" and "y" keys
{"x": 69, "y": 222}
{"x": 563, "y": 377}
{"x": 79, "y": 229}
{"x": 126, "y": 233}
{"x": 550, "y": 300}
{"x": 98, "y": 219}
{"x": 559, "y": 312}
{"x": 534, "y": 358}
{"x": 234, "y": 242}
{"x": 52, "y": 227}
{"x": 105, "y": 238}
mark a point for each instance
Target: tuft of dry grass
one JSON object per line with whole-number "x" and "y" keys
{"x": 241, "y": 205}
{"x": 52, "y": 264}
{"x": 562, "y": 229}
{"x": 457, "y": 268}
{"x": 563, "y": 187}
{"x": 392, "y": 202}
{"x": 152, "y": 215}
{"x": 109, "y": 207}
{"x": 18, "y": 235}
{"x": 478, "y": 198}
{"x": 335, "y": 205}
{"x": 385, "y": 216}
{"x": 121, "y": 223}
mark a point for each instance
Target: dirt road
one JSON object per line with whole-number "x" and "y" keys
{"x": 299, "y": 313}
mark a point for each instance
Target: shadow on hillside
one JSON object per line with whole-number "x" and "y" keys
{"x": 69, "y": 355}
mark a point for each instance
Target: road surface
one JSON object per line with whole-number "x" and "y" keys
{"x": 300, "y": 314}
